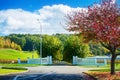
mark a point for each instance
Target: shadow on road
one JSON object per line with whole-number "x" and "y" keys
{"x": 46, "y": 76}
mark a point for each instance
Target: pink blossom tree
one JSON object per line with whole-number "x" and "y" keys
{"x": 100, "y": 23}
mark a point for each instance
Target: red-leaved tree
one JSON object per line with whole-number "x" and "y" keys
{"x": 99, "y": 23}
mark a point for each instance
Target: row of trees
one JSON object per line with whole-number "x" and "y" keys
{"x": 60, "y": 46}
{"x": 7, "y": 43}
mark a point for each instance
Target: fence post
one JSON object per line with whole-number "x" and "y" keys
{"x": 19, "y": 61}
{"x": 50, "y": 59}
{"x": 95, "y": 61}
{"x": 76, "y": 60}
{"x": 105, "y": 61}
{"x": 28, "y": 60}
{"x": 73, "y": 59}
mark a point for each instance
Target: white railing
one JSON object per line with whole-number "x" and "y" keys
{"x": 97, "y": 60}
{"x": 89, "y": 61}
{"x": 46, "y": 60}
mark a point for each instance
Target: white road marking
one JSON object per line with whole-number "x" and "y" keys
{"x": 29, "y": 76}
{"x": 43, "y": 76}
{"x": 15, "y": 78}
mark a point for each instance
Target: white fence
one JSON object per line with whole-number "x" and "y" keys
{"x": 97, "y": 60}
{"x": 90, "y": 61}
{"x": 46, "y": 60}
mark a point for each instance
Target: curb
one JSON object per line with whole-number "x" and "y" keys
{"x": 90, "y": 76}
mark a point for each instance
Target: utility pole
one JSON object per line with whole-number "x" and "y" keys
{"x": 40, "y": 41}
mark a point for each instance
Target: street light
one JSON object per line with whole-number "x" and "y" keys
{"x": 40, "y": 41}
{"x": 34, "y": 48}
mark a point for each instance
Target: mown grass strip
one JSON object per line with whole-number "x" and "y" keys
{"x": 10, "y": 71}
{"x": 14, "y": 68}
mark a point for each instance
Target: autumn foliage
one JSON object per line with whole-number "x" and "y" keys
{"x": 7, "y": 43}
{"x": 100, "y": 22}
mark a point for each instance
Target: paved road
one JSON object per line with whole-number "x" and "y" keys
{"x": 49, "y": 73}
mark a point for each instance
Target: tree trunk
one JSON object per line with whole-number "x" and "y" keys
{"x": 113, "y": 63}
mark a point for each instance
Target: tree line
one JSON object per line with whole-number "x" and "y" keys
{"x": 59, "y": 46}
{"x": 7, "y": 43}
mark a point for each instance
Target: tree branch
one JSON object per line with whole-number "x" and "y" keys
{"x": 105, "y": 45}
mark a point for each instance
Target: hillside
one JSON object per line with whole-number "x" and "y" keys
{"x": 10, "y": 54}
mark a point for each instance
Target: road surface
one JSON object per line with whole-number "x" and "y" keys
{"x": 49, "y": 73}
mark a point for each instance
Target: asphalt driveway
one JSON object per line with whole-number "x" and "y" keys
{"x": 49, "y": 73}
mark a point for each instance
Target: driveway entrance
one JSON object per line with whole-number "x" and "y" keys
{"x": 50, "y": 73}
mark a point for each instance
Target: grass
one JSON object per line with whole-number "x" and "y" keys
{"x": 9, "y": 71}
{"x": 14, "y": 68}
{"x": 104, "y": 70}
{"x": 19, "y": 65}
{"x": 10, "y": 54}
{"x": 103, "y": 73}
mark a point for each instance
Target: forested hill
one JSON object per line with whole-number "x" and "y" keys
{"x": 26, "y": 41}
{"x": 30, "y": 42}
{"x": 54, "y": 45}
{"x": 58, "y": 45}
{"x": 7, "y": 43}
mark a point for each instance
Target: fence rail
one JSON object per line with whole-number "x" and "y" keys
{"x": 46, "y": 60}
{"x": 96, "y": 61}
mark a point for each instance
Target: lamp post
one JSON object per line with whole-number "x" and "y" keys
{"x": 40, "y": 41}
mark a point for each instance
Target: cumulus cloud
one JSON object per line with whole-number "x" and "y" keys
{"x": 21, "y": 21}
{"x": 113, "y": 1}
{"x": 17, "y": 21}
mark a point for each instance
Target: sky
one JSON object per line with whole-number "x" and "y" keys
{"x": 27, "y": 16}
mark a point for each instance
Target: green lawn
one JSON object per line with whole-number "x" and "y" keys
{"x": 20, "y": 65}
{"x": 9, "y": 71}
{"x": 10, "y": 54}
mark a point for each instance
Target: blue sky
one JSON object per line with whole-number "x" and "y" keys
{"x": 20, "y": 16}
{"x": 32, "y": 5}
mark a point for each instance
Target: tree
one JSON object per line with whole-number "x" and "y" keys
{"x": 18, "y": 38}
{"x": 1, "y": 42}
{"x": 100, "y": 23}
{"x": 74, "y": 46}
{"x": 97, "y": 49}
{"x": 51, "y": 46}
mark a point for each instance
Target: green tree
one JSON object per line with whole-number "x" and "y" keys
{"x": 74, "y": 46}
{"x": 1, "y": 42}
{"x": 51, "y": 46}
{"x": 18, "y": 39}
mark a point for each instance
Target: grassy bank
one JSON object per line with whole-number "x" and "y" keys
{"x": 13, "y": 55}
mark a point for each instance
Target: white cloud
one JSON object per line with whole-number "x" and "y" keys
{"x": 21, "y": 21}
{"x": 17, "y": 21}
{"x": 113, "y": 1}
